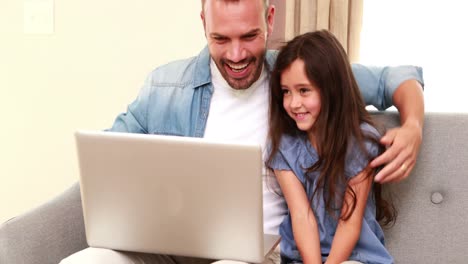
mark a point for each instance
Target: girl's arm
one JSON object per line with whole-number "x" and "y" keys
{"x": 304, "y": 224}
{"x": 348, "y": 232}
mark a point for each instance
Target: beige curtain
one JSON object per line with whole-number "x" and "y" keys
{"x": 342, "y": 17}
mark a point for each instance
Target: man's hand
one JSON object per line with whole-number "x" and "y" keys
{"x": 402, "y": 143}
{"x": 400, "y": 157}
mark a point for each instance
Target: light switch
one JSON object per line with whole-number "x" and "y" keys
{"x": 38, "y": 16}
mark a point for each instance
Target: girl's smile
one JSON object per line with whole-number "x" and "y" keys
{"x": 301, "y": 98}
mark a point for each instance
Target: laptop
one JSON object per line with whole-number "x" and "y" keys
{"x": 173, "y": 195}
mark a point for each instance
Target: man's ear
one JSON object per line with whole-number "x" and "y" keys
{"x": 202, "y": 16}
{"x": 270, "y": 19}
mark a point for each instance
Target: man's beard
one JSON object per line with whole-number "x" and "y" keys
{"x": 244, "y": 83}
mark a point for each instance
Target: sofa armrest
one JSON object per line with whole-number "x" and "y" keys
{"x": 46, "y": 234}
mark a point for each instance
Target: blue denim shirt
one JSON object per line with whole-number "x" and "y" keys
{"x": 175, "y": 99}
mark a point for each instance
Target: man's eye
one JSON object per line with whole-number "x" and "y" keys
{"x": 219, "y": 39}
{"x": 250, "y": 37}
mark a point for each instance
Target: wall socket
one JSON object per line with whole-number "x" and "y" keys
{"x": 38, "y": 16}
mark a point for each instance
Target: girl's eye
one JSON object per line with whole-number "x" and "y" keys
{"x": 285, "y": 91}
{"x": 304, "y": 90}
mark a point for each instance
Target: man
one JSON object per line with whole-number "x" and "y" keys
{"x": 223, "y": 93}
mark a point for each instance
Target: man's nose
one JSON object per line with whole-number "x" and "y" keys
{"x": 236, "y": 52}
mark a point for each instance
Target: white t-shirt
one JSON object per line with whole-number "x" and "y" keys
{"x": 243, "y": 115}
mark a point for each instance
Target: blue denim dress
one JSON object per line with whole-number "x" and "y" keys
{"x": 295, "y": 154}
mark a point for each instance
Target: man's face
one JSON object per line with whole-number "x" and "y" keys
{"x": 237, "y": 32}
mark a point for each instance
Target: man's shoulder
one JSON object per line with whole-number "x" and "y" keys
{"x": 194, "y": 70}
{"x": 270, "y": 58}
{"x": 272, "y": 52}
{"x": 174, "y": 69}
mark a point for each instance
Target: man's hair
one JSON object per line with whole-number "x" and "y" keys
{"x": 266, "y": 3}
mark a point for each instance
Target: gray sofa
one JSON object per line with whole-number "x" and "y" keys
{"x": 432, "y": 226}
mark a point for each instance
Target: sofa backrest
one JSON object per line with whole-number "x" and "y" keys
{"x": 432, "y": 204}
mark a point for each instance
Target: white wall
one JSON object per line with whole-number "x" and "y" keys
{"x": 431, "y": 34}
{"x": 81, "y": 76}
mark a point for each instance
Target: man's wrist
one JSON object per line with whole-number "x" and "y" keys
{"x": 413, "y": 124}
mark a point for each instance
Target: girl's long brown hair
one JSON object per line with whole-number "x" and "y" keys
{"x": 342, "y": 113}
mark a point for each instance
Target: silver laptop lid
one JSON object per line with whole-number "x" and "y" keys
{"x": 172, "y": 195}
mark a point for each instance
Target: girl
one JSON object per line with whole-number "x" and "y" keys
{"x": 322, "y": 140}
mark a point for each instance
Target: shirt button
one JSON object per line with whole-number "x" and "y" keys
{"x": 437, "y": 198}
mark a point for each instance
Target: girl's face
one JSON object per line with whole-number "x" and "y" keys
{"x": 301, "y": 98}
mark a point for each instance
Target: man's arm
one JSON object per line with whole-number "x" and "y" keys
{"x": 135, "y": 119}
{"x": 403, "y": 143}
{"x": 401, "y": 86}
